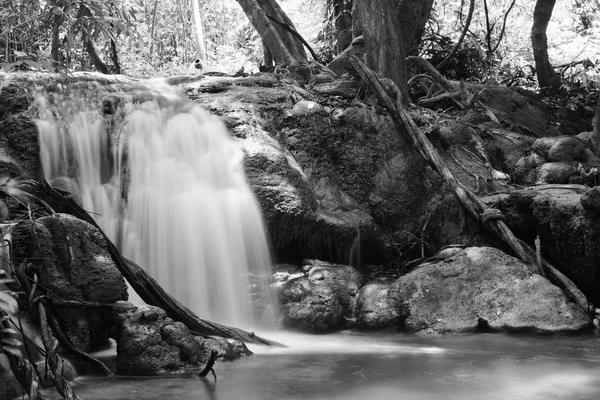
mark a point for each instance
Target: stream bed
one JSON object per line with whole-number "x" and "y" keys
{"x": 352, "y": 365}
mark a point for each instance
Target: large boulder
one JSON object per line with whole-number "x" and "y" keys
{"x": 565, "y": 219}
{"x": 484, "y": 288}
{"x": 480, "y": 288}
{"x": 75, "y": 270}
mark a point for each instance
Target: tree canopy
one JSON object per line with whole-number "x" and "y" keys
{"x": 162, "y": 37}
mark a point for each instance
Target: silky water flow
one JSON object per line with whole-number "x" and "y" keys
{"x": 165, "y": 181}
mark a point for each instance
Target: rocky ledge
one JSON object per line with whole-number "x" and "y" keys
{"x": 477, "y": 289}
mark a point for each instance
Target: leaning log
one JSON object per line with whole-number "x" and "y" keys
{"x": 143, "y": 284}
{"x": 492, "y": 219}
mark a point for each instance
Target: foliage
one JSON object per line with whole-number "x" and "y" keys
{"x": 573, "y": 31}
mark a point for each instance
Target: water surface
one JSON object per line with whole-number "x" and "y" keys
{"x": 360, "y": 366}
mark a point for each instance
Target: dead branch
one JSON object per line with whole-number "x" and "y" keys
{"x": 470, "y": 201}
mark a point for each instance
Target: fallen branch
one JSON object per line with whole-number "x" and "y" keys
{"x": 143, "y": 284}
{"x": 470, "y": 201}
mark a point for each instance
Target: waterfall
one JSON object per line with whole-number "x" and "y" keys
{"x": 165, "y": 181}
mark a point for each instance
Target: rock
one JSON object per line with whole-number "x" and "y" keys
{"x": 560, "y": 148}
{"x": 590, "y": 200}
{"x": 555, "y": 172}
{"x": 570, "y": 234}
{"x": 76, "y": 266}
{"x": 376, "y": 310}
{"x": 150, "y": 343}
{"x": 322, "y": 300}
{"x": 482, "y": 288}
{"x": 309, "y": 306}
{"x": 345, "y": 280}
{"x": 227, "y": 350}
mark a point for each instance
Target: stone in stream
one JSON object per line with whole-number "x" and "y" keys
{"x": 322, "y": 300}
{"x": 480, "y": 288}
{"x": 150, "y": 343}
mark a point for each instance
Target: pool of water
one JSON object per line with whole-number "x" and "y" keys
{"x": 376, "y": 366}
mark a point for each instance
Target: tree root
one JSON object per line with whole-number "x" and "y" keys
{"x": 472, "y": 203}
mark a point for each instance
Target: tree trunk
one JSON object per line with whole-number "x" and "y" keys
{"x": 283, "y": 46}
{"x": 413, "y": 15}
{"x": 379, "y": 24}
{"x": 91, "y": 50}
{"x": 547, "y": 79}
{"x": 152, "y": 28}
{"x": 198, "y": 31}
{"x": 596, "y": 131}
{"x": 340, "y": 12}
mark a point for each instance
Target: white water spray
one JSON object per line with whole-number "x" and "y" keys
{"x": 167, "y": 185}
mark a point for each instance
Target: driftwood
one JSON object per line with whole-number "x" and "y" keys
{"x": 470, "y": 201}
{"x": 143, "y": 284}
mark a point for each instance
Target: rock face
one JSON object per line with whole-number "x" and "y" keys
{"x": 76, "y": 266}
{"x": 321, "y": 175}
{"x": 480, "y": 288}
{"x": 150, "y": 343}
{"x": 568, "y": 225}
{"x": 322, "y": 299}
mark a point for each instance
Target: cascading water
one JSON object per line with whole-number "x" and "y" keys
{"x": 165, "y": 181}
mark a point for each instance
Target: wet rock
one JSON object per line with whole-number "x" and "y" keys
{"x": 76, "y": 266}
{"x": 150, "y": 343}
{"x": 227, "y": 350}
{"x": 482, "y": 288}
{"x": 375, "y": 309}
{"x": 309, "y": 306}
{"x": 345, "y": 280}
{"x": 569, "y": 233}
{"x": 322, "y": 299}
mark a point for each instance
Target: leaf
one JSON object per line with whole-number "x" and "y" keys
{"x": 9, "y": 331}
{"x": 12, "y": 342}
{"x": 13, "y": 351}
{"x": 20, "y": 53}
{"x": 8, "y": 303}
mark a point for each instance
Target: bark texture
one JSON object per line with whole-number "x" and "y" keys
{"x": 547, "y": 78}
{"x": 413, "y": 15}
{"x": 381, "y": 28}
{"x": 281, "y": 43}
